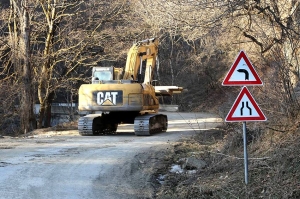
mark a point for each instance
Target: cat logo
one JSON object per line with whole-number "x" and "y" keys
{"x": 107, "y": 98}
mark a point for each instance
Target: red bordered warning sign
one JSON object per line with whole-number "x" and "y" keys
{"x": 245, "y": 109}
{"x": 242, "y": 72}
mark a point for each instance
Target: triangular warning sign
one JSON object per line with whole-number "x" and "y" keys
{"x": 245, "y": 109}
{"x": 242, "y": 73}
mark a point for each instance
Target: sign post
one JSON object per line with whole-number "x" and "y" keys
{"x": 245, "y": 108}
{"x": 245, "y": 152}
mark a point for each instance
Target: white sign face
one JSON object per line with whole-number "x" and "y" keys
{"x": 245, "y": 109}
{"x": 242, "y": 73}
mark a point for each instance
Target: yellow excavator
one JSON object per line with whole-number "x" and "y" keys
{"x": 125, "y": 97}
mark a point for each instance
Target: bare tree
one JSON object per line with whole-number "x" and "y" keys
{"x": 77, "y": 34}
{"x": 267, "y": 30}
{"x": 20, "y": 40}
{"x": 67, "y": 39}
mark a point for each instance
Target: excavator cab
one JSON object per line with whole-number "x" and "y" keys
{"x": 106, "y": 74}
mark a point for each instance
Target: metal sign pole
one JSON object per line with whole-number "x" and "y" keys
{"x": 245, "y": 152}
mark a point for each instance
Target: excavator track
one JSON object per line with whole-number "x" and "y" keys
{"x": 144, "y": 125}
{"x": 85, "y": 124}
{"x": 150, "y": 123}
{"x": 95, "y": 124}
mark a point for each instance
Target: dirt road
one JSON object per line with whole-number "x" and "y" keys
{"x": 65, "y": 165}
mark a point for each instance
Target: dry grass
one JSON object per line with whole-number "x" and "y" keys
{"x": 274, "y": 165}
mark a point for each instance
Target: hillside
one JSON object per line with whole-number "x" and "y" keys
{"x": 274, "y": 164}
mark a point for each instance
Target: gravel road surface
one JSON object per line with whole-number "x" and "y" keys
{"x": 62, "y": 164}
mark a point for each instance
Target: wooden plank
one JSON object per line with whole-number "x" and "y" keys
{"x": 167, "y": 90}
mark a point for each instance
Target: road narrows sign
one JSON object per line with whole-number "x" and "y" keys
{"x": 245, "y": 109}
{"x": 242, "y": 73}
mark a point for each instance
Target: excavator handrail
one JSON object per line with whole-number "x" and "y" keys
{"x": 146, "y": 41}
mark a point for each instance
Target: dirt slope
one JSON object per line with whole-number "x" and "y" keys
{"x": 274, "y": 164}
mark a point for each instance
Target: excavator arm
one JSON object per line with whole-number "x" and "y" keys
{"x": 139, "y": 52}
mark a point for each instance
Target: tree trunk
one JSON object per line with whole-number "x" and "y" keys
{"x": 27, "y": 98}
{"x": 45, "y": 94}
{"x": 45, "y": 111}
{"x": 48, "y": 111}
{"x": 40, "y": 123}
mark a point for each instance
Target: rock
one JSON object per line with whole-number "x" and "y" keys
{"x": 176, "y": 169}
{"x": 192, "y": 163}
